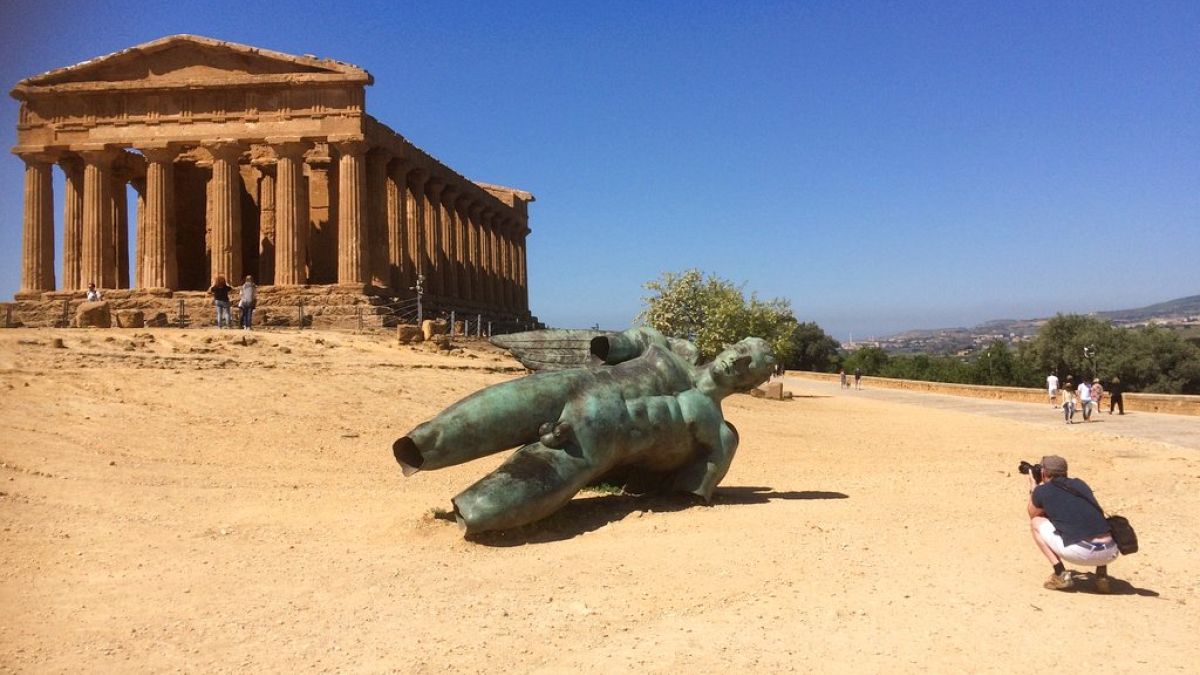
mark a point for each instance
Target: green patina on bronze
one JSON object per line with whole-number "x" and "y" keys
{"x": 642, "y": 409}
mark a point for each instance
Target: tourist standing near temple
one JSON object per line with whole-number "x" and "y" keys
{"x": 1115, "y": 398}
{"x": 1052, "y": 388}
{"x": 1097, "y": 394}
{"x": 220, "y": 292}
{"x": 247, "y": 301}
{"x": 93, "y": 293}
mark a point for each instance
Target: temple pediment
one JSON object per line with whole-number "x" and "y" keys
{"x": 191, "y": 61}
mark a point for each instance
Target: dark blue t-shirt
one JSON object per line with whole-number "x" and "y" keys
{"x": 1074, "y": 517}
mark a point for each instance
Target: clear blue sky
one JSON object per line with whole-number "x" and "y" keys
{"x": 883, "y": 165}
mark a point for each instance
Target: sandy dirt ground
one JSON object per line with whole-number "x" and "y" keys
{"x": 208, "y": 501}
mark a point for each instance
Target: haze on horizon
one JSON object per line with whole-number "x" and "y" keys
{"x": 886, "y": 167}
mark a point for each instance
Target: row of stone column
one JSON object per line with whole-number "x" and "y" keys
{"x": 462, "y": 247}
{"x": 393, "y": 224}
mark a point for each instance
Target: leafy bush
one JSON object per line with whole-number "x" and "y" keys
{"x": 712, "y": 312}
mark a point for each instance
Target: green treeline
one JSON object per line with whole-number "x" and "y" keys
{"x": 713, "y": 312}
{"x": 1152, "y": 360}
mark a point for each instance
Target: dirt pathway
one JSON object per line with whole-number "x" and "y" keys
{"x": 196, "y": 502}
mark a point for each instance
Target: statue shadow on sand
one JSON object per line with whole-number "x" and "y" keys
{"x": 589, "y": 513}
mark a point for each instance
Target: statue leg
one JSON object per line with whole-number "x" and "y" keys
{"x": 535, "y": 482}
{"x": 499, "y": 417}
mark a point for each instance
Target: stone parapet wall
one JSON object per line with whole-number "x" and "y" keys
{"x": 1158, "y": 403}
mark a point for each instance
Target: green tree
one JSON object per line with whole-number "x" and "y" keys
{"x": 712, "y": 312}
{"x": 1146, "y": 359}
{"x": 813, "y": 349}
{"x": 870, "y": 360}
{"x": 996, "y": 366}
{"x": 1059, "y": 346}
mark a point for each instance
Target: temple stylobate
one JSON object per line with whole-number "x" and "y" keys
{"x": 246, "y": 161}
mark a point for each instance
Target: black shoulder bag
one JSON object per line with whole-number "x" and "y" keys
{"x": 1122, "y": 531}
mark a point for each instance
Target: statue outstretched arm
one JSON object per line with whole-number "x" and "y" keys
{"x": 614, "y": 348}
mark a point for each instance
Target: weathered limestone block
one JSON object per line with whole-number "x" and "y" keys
{"x": 440, "y": 342}
{"x": 407, "y": 333}
{"x": 159, "y": 320}
{"x": 431, "y": 327}
{"x": 130, "y": 318}
{"x": 773, "y": 391}
{"x": 93, "y": 315}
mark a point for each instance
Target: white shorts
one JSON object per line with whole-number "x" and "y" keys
{"x": 1076, "y": 554}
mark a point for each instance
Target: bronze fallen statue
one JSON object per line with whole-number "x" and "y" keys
{"x": 643, "y": 413}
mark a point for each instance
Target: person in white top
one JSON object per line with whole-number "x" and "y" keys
{"x": 93, "y": 293}
{"x": 1052, "y": 387}
{"x": 1085, "y": 399}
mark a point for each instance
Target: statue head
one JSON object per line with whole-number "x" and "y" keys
{"x": 740, "y": 367}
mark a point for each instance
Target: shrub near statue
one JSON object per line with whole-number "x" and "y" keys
{"x": 648, "y": 413}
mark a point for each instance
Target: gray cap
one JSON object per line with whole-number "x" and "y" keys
{"x": 1055, "y": 464}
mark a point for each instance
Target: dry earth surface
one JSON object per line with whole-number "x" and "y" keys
{"x": 211, "y": 501}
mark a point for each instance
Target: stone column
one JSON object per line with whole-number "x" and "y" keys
{"x": 522, "y": 278}
{"x": 120, "y": 221}
{"x": 378, "y": 229}
{"x": 37, "y": 255}
{"x": 266, "y": 225}
{"x": 462, "y": 246}
{"x": 488, "y": 248}
{"x": 97, "y": 217}
{"x": 72, "y": 169}
{"x": 507, "y": 253}
{"x": 433, "y": 237}
{"x": 448, "y": 253}
{"x": 474, "y": 211}
{"x": 399, "y": 264}
{"x": 226, "y": 210}
{"x": 158, "y": 265}
{"x": 291, "y": 218}
{"x": 353, "y": 252}
{"x": 137, "y": 266}
{"x": 414, "y": 216}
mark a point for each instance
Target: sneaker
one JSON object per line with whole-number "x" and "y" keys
{"x": 1059, "y": 582}
{"x": 1103, "y": 587}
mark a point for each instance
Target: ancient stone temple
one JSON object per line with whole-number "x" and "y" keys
{"x": 246, "y": 161}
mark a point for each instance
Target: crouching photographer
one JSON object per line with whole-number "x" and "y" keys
{"x": 1067, "y": 523}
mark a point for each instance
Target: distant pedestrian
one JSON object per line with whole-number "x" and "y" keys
{"x": 1114, "y": 396}
{"x": 247, "y": 302}
{"x": 1085, "y": 399}
{"x": 842, "y": 375}
{"x": 858, "y": 378}
{"x": 220, "y": 292}
{"x": 93, "y": 293}
{"x": 1068, "y": 401}
{"x": 1052, "y": 388}
{"x": 1097, "y": 394}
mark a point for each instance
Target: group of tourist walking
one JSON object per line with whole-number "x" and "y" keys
{"x": 1085, "y": 398}
{"x": 247, "y": 301}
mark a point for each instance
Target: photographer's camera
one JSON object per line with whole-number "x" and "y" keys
{"x": 1035, "y": 469}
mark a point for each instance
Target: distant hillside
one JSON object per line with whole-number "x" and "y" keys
{"x": 1189, "y": 306}
{"x": 958, "y": 339}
